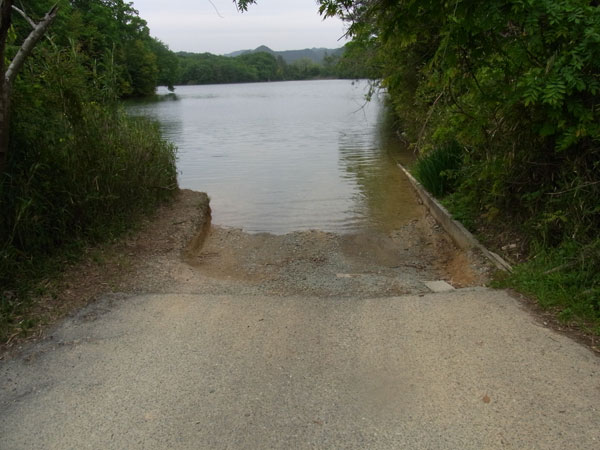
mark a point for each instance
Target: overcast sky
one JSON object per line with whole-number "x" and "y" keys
{"x": 195, "y": 26}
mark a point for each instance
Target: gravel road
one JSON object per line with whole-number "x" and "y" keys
{"x": 307, "y": 340}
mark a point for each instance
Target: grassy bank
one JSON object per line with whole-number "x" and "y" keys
{"x": 565, "y": 280}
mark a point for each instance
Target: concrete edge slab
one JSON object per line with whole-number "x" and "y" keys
{"x": 438, "y": 286}
{"x": 459, "y": 234}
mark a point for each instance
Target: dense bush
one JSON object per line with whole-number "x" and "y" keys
{"x": 77, "y": 167}
{"x": 514, "y": 82}
{"x": 79, "y": 182}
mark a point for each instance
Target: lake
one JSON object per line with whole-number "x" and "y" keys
{"x": 288, "y": 156}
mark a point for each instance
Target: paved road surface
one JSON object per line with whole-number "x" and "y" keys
{"x": 467, "y": 369}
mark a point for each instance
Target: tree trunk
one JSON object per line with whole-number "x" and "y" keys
{"x": 4, "y": 123}
{"x": 5, "y": 23}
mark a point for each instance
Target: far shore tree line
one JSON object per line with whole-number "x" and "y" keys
{"x": 206, "y": 68}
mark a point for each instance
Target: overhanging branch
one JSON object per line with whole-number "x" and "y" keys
{"x": 25, "y": 16}
{"x": 24, "y": 51}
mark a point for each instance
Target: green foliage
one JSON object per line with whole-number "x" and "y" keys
{"x": 304, "y": 69}
{"x": 514, "y": 81}
{"x": 167, "y": 62}
{"x": 566, "y": 279}
{"x": 263, "y": 66}
{"x": 76, "y": 165}
{"x": 79, "y": 169}
{"x": 82, "y": 177}
{"x": 242, "y": 5}
{"x": 206, "y": 68}
{"x": 142, "y": 71}
{"x": 438, "y": 170}
{"x": 359, "y": 61}
{"x": 112, "y": 40}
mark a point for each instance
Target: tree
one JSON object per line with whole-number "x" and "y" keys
{"x": 141, "y": 67}
{"x": 167, "y": 62}
{"x": 8, "y": 74}
{"x": 242, "y": 5}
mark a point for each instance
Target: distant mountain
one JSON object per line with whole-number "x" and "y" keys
{"x": 289, "y": 56}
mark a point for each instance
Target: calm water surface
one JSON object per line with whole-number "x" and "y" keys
{"x": 288, "y": 156}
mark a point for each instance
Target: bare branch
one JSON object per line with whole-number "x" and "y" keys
{"x": 216, "y": 10}
{"x": 32, "y": 23}
{"x": 25, "y": 16}
{"x": 26, "y": 48}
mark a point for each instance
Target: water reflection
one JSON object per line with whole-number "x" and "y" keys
{"x": 384, "y": 194}
{"x": 281, "y": 157}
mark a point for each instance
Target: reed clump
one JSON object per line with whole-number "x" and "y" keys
{"x": 438, "y": 170}
{"x": 73, "y": 181}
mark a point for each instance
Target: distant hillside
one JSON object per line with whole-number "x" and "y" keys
{"x": 289, "y": 56}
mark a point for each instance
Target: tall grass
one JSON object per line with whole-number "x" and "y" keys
{"x": 72, "y": 181}
{"x": 79, "y": 169}
{"x": 566, "y": 279}
{"x": 438, "y": 169}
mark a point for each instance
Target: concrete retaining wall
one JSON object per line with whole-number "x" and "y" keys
{"x": 459, "y": 234}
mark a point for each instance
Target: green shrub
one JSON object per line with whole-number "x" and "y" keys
{"x": 438, "y": 170}
{"x": 566, "y": 278}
